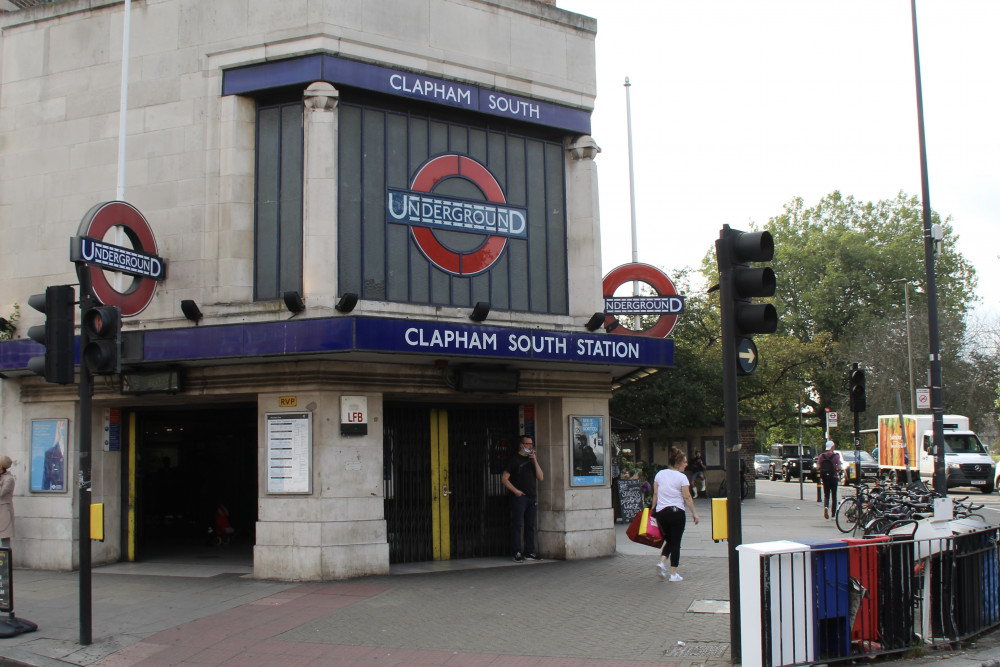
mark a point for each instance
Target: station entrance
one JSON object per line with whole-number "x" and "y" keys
{"x": 195, "y": 477}
{"x": 441, "y": 470}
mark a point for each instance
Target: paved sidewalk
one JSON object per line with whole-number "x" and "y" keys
{"x": 608, "y": 612}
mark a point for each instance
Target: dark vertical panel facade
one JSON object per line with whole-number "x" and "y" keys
{"x": 266, "y": 203}
{"x": 349, "y": 206}
{"x": 388, "y": 147}
{"x": 373, "y": 206}
{"x": 278, "y": 200}
{"x": 557, "y": 228}
{"x": 290, "y": 229}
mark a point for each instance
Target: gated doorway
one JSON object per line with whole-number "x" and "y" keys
{"x": 441, "y": 471}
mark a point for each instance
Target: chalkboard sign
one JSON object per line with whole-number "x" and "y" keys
{"x": 6, "y": 597}
{"x": 629, "y": 497}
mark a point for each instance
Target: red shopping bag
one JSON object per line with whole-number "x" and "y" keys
{"x": 643, "y": 528}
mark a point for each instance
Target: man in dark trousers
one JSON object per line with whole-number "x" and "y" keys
{"x": 521, "y": 477}
{"x": 829, "y": 473}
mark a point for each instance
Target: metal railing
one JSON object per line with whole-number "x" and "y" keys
{"x": 830, "y": 601}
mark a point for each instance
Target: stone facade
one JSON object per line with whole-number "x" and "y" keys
{"x": 190, "y": 163}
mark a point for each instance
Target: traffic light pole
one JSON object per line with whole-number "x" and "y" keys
{"x": 730, "y": 404}
{"x": 86, "y": 393}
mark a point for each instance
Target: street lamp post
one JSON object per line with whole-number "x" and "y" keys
{"x": 909, "y": 350}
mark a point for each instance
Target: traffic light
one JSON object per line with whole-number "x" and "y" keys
{"x": 856, "y": 389}
{"x": 102, "y": 325}
{"x": 735, "y": 250}
{"x": 56, "y": 334}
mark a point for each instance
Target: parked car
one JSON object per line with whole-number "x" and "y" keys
{"x": 785, "y": 461}
{"x": 869, "y": 466}
{"x": 761, "y": 465}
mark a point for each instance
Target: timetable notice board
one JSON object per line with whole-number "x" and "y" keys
{"x": 289, "y": 452}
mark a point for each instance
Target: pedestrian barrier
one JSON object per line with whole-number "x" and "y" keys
{"x": 826, "y": 601}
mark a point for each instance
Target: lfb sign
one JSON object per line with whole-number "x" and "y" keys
{"x": 353, "y": 415}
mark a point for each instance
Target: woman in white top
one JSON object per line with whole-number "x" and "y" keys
{"x": 672, "y": 492}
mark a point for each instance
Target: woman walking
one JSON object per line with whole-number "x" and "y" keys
{"x": 672, "y": 491}
{"x": 6, "y": 502}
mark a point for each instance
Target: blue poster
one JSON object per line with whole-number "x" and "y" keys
{"x": 48, "y": 454}
{"x": 587, "y": 434}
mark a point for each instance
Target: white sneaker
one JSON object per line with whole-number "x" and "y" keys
{"x": 661, "y": 572}
{"x": 676, "y": 577}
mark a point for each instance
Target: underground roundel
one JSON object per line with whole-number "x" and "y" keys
{"x": 93, "y": 256}
{"x": 666, "y": 303}
{"x": 428, "y": 213}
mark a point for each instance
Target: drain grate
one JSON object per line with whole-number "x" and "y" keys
{"x": 697, "y": 650}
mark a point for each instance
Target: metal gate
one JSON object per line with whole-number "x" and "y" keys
{"x": 441, "y": 470}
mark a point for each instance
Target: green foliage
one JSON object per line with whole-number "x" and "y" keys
{"x": 839, "y": 300}
{"x": 837, "y": 262}
{"x": 15, "y": 315}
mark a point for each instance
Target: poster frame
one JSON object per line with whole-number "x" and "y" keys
{"x": 45, "y": 434}
{"x": 588, "y": 430}
{"x": 300, "y": 454}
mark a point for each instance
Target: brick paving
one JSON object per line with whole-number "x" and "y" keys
{"x": 606, "y": 612}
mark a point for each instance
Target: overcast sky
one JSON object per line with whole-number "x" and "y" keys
{"x": 739, "y": 106}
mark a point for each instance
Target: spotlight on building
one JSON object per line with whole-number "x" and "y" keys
{"x": 191, "y": 310}
{"x": 480, "y": 311}
{"x": 347, "y": 302}
{"x": 611, "y": 327}
{"x": 293, "y": 302}
{"x": 595, "y": 321}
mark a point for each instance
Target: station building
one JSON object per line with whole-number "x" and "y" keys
{"x": 378, "y": 227}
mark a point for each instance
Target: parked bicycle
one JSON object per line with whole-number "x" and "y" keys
{"x": 744, "y": 488}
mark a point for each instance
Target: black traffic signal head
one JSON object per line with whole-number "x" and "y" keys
{"x": 735, "y": 250}
{"x": 56, "y": 334}
{"x": 856, "y": 389}
{"x": 102, "y": 325}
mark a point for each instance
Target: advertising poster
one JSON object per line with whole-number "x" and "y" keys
{"x": 48, "y": 455}
{"x": 588, "y": 444}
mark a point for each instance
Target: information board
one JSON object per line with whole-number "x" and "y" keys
{"x": 289, "y": 452}
{"x": 629, "y": 497}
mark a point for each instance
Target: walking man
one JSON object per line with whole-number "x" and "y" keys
{"x": 829, "y": 467}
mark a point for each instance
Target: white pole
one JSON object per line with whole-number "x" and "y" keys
{"x": 631, "y": 180}
{"x": 122, "y": 124}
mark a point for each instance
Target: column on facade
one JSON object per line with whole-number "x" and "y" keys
{"x": 319, "y": 224}
{"x": 584, "y": 222}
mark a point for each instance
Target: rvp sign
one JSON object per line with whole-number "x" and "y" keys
{"x": 353, "y": 415}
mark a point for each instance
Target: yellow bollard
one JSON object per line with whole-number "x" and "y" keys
{"x": 97, "y": 521}
{"x": 720, "y": 519}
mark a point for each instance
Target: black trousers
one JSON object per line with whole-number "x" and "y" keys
{"x": 671, "y": 522}
{"x": 829, "y": 491}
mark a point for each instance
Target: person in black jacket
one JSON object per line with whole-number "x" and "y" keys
{"x": 521, "y": 477}
{"x": 829, "y": 469}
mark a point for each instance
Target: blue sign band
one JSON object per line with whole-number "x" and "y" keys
{"x": 340, "y": 71}
{"x": 362, "y": 334}
{"x": 453, "y": 214}
{"x": 502, "y": 343}
{"x": 115, "y": 258}
{"x": 643, "y": 305}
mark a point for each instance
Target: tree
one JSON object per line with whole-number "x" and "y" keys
{"x": 839, "y": 264}
{"x": 839, "y": 300}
